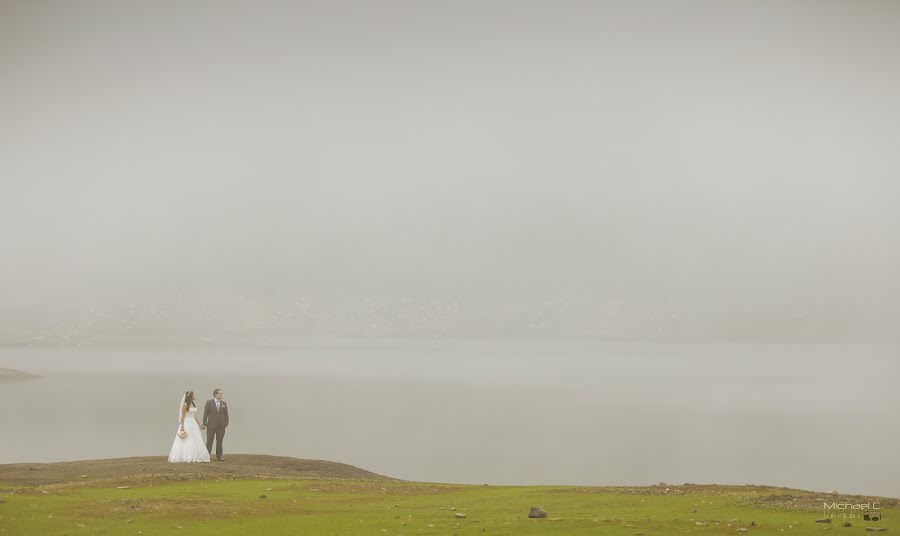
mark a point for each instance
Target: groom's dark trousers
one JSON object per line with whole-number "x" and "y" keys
{"x": 215, "y": 420}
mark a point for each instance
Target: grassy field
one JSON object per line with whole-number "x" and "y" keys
{"x": 390, "y": 507}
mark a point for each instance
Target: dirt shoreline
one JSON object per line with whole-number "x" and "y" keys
{"x": 150, "y": 469}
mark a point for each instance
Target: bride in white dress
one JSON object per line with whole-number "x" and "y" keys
{"x": 191, "y": 447}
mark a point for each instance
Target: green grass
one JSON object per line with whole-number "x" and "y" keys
{"x": 334, "y": 507}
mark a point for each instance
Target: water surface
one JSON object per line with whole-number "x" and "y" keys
{"x": 816, "y": 417}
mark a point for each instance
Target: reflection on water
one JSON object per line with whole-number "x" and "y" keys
{"x": 552, "y": 412}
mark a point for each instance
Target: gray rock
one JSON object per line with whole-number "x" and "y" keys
{"x": 824, "y": 520}
{"x": 459, "y": 515}
{"x": 537, "y": 512}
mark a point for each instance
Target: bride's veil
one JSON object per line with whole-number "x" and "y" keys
{"x": 181, "y": 405}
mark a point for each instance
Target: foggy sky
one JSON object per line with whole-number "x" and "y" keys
{"x": 647, "y": 170}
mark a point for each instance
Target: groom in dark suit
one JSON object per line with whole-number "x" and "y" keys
{"x": 215, "y": 419}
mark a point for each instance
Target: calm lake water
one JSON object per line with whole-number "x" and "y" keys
{"x": 818, "y": 417}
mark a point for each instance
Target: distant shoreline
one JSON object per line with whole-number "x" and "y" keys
{"x": 282, "y": 341}
{"x": 12, "y": 374}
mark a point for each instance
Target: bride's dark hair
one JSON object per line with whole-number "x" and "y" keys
{"x": 189, "y": 399}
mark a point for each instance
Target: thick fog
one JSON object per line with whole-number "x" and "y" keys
{"x": 621, "y": 170}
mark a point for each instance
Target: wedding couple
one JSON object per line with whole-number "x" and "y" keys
{"x": 188, "y": 445}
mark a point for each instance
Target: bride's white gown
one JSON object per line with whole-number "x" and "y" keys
{"x": 191, "y": 448}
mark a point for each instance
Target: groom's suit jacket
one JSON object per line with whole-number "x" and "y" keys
{"x": 213, "y": 418}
